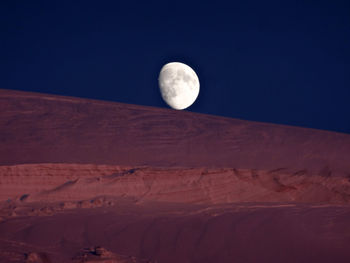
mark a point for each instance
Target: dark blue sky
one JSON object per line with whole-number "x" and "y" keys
{"x": 285, "y": 62}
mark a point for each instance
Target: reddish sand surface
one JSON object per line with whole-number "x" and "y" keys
{"x": 91, "y": 181}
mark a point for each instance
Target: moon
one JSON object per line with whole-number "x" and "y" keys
{"x": 179, "y": 85}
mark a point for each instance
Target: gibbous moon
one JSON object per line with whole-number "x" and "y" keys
{"x": 179, "y": 85}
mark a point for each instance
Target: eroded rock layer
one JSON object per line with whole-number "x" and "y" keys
{"x": 74, "y": 182}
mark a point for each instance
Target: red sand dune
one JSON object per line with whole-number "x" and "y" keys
{"x": 92, "y": 181}
{"x": 38, "y": 128}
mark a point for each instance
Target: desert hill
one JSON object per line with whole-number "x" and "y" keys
{"x": 41, "y": 128}
{"x": 92, "y": 181}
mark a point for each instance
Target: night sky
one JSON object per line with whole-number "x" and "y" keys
{"x": 285, "y": 62}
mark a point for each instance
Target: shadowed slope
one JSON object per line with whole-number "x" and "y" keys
{"x": 39, "y": 128}
{"x": 173, "y": 233}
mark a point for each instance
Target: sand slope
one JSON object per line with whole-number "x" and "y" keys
{"x": 165, "y": 232}
{"x": 39, "y": 128}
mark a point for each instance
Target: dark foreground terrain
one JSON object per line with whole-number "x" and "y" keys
{"x": 63, "y": 213}
{"x": 166, "y": 232}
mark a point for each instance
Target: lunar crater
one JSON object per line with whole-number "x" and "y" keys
{"x": 179, "y": 85}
